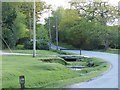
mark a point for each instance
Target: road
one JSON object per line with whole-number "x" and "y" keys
{"x": 108, "y": 80}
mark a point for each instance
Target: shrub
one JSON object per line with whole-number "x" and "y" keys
{"x": 101, "y": 47}
{"x": 42, "y": 45}
{"x": 28, "y": 45}
{"x": 20, "y": 47}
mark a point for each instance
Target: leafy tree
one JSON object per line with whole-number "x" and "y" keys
{"x": 114, "y": 34}
{"x": 95, "y": 10}
{"x": 66, "y": 19}
{"x": 19, "y": 26}
{"x": 17, "y": 20}
{"x": 42, "y": 33}
{"x": 9, "y": 15}
{"x": 59, "y": 13}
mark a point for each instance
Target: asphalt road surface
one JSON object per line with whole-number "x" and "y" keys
{"x": 108, "y": 79}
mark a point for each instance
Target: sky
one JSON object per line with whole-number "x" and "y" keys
{"x": 65, "y": 4}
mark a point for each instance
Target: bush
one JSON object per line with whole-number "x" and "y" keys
{"x": 22, "y": 41}
{"x": 28, "y": 45}
{"x": 101, "y": 47}
{"x": 20, "y": 47}
{"x": 42, "y": 45}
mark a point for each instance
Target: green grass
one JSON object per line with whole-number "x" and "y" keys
{"x": 63, "y": 52}
{"x": 37, "y": 73}
{"x": 40, "y": 52}
{"x": 110, "y": 50}
{"x": 52, "y": 74}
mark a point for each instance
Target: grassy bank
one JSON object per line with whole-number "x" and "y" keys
{"x": 40, "y": 73}
{"x": 110, "y": 50}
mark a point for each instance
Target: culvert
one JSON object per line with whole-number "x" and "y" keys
{"x": 70, "y": 58}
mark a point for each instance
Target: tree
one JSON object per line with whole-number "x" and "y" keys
{"x": 114, "y": 34}
{"x": 42, "y": 33}
{"x": 66, "y": 19}
{"x": 95, "y": 10}
{"x": 17, "y": 20}
{"x": 9, "y": 15}
{"x": 86, "y": 25}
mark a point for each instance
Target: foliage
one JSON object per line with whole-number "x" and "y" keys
{"x": 85, "y": 26}
{"x": 17, "y": 22}
{"x": 77, "y": 29}
{"x": 97, "y": 10}
{"x": 69, "y": 19}
{"x": 8, "y": 21}
{"x": 42, "y": 33}
{"x": 40, "y": 45}
{"x": 19, "y": 26}
{"x": 20, "y": 47}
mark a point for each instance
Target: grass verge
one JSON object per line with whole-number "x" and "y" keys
{"x": 110, "y": 50}
{"x": 42, "y": 74}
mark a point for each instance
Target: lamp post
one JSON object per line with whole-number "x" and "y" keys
{"x": 34, "y": 31}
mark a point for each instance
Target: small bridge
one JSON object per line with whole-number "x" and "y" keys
{"x": 71, "y": 57}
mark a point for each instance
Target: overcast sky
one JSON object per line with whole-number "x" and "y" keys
{"x": 64, "y": 3}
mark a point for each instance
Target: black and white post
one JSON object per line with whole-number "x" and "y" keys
{"x": 34, "y": 31}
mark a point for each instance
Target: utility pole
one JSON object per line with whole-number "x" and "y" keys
{"x": 50, "y": 34}
{"x": 30, "y": 25}
{"x": 56, "y": 32}
{"x": 34, "y": 31}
